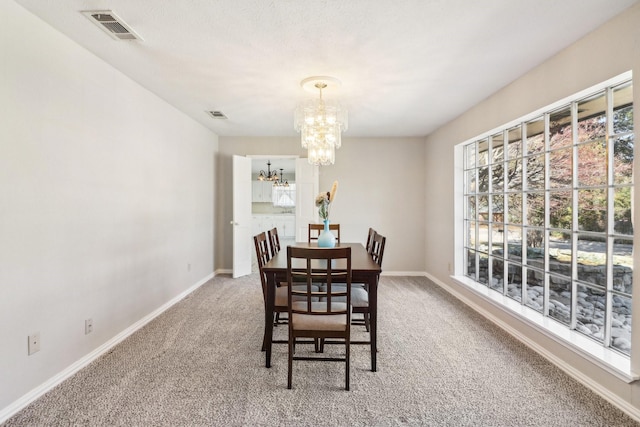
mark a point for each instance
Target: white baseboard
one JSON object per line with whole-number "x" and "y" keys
{"x": 588, "y": 382}
{"x": 43, "y": 388}
{"x": 403, "y": 273}
{"x": 223, "y": 271}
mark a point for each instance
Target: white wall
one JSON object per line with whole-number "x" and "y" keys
{"x": 106, "y": 195}
{"x": 381, "y": 185}
{"x": 609, "y": 51}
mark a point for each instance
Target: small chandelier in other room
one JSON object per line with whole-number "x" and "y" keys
{"x": 281, "y": 182}
{"x": 268, "y": 176}
{"x": 321, "y": 123}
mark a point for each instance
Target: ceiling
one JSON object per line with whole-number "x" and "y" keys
{"x": 406, "y": 67}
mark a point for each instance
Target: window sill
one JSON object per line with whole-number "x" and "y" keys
{"x": 609, "y": 360}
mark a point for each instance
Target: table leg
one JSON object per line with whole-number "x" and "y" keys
{"x": 373, "y": 332}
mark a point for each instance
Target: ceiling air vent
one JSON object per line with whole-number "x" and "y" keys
{"x": 111, "y": 24}
{"x": 216, "y": 114}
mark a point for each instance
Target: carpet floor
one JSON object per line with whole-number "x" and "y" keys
{"x": 439, "y": 364}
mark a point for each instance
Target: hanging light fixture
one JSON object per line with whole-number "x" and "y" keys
{"x": 320, "y": 123}
{"x": 281, "y": 182}
{"x": 268, "y": 176}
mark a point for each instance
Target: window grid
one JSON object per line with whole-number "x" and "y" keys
{"x": 540, "y": 255}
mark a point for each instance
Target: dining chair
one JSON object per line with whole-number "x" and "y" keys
{"x": 274, "y": 243}
{"x": 325, "y": 318}
{"x": 377, "y": 248}
{"x": 359, "y": 291}
{"x": 370, "y": 239}
{"x": 280, "y": 303}
{"x": 264, "y": 255}
{"x": 316, "y": 229}
{"x": 274, "y": 240}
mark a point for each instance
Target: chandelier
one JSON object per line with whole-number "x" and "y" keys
{"x": 281, "y": 182}
{"x": 268, "y": 176}
{"x": 320, "y": 123}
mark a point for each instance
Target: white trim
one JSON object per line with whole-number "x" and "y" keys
{"x": 43, "y": 388}
{"x": 223, "y": 271}
{"x": 587, "y": 381}
{"x": 403, "y": 273}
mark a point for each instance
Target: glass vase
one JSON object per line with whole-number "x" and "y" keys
{"x": 326, "y": 239}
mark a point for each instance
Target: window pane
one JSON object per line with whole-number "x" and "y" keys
{"x": 497, "y": 183}
{"x": 514, "y": 175}
{"x": 497, "y": 274}
{"x": 515, "y": 143}
{"x": 622, "y": 211}
{"x": 621, "y": 323}
{"x": 483, "y": 274}
{"x": 592, "y": 118}
{"x": 497, "y": 148}
{"x": 483, "y": 152}
{"x": 535, "y": 172}
{"x": 470, "y": 234}
{"x": 623, "y": 265}
{"x": 623, "y": 149}
{"x": 590, "y": 308}
{"x": 592, "y": 210}
{"x": 535, "y": 248}
{"x": 514, "y": 286}
{"x": 471, "y": 264}
{"x": 592, "y": 259}
{"x": 515, "y": 209}
{"x": 535, "y": 209}
{"x": 623, "y": 108}
{"x": 560, "y": 167}
{"x": 560, "y": 128}
{"x": 470, "y": 181}
{"x": 560, "y": 299}
{"x": 471, "y": 208}
{"x": 497, "y": 207}
{"x": 497, "y": 240}
{"x": 514, "y": 244}
{"x": 560, "y": 252}
{"x": 592, "y": 164}
{"x": 535, "y": 135}
{"x": 483, "y": 207}
{"x": 560, "y": 209}
{"x": 483, "y": 179}
{"x": 470, "y": 156}
{"x": 535, "y": 289}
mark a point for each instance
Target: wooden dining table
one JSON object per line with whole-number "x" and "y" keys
{"x": 363, "y": 270}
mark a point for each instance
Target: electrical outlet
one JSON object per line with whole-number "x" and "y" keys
{"x": 34, "y": 343}
{"x": 188, "y": 267}
{"x": 88, "y": 326}
{"x": 449, "y": 267}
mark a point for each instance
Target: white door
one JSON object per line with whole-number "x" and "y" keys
{"x": 306, "y": 192}
{"x": 241, "y": 216}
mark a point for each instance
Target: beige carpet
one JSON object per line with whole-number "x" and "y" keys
{"x": 439, "y": 364}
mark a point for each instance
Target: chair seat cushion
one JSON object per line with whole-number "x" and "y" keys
{"x": 359, "y": 297}
{"x": 282, "y": 297}
{"x": 313, "y": 322}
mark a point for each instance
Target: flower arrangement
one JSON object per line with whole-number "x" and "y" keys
{"x": 324, "y": 199}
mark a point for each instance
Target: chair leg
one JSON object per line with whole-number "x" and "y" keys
{"x": 290, "y": 361}
{"x": 366, "y": 321}
{"x": 347, "y": 362}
